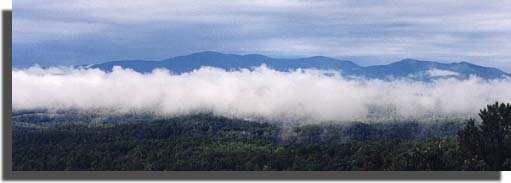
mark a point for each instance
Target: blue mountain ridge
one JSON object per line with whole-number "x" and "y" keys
{"x": 407, "y": 68}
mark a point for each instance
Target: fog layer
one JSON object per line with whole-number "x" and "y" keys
{"x": 262, "y": 92}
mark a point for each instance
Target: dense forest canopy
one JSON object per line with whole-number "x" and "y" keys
{"x": 210, "y": 142}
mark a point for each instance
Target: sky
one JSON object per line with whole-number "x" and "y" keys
{"x": 59, "y": 32}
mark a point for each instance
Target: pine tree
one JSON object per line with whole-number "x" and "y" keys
{"x": 491, "y": 141}
{"x": 496, "y": 132}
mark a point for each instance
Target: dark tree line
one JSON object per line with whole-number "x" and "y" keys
{"x": 488, "y": 146}
{"x": 208, "y": 142}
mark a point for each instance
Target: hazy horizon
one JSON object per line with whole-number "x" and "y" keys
{"x": 291, "y": 57}
{"x": 53, "y": 32}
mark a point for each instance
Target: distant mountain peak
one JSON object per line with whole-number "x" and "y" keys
{"x": 256, "y": 56}
{"x": 468, "y": 63}
{"x": 401, "y": 69}
{"x": 320, "y": 57}
{"x": 413, "y": 61}
{"x": 205, "y": 53}
{"x": 410, "y": 60}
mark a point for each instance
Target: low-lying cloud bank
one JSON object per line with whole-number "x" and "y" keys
{"x": 262, "y": 92}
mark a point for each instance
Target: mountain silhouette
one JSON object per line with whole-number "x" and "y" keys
{"x": 407, "y": 68}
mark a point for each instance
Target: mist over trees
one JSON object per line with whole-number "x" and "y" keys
{"x": 210, "y": 142}
{"x": 314, "y": 95}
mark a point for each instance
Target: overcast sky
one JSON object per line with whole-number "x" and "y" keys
{"x": 62, "y": 32}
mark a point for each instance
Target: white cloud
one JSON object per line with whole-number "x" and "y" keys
{"x": 262, "y": 92}
{"x": 440, "y": 73}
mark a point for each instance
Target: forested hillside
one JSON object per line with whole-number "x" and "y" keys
{"x": 208, "y": 142}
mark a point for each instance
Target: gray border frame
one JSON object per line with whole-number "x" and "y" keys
{"x": 8, "y": 174}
